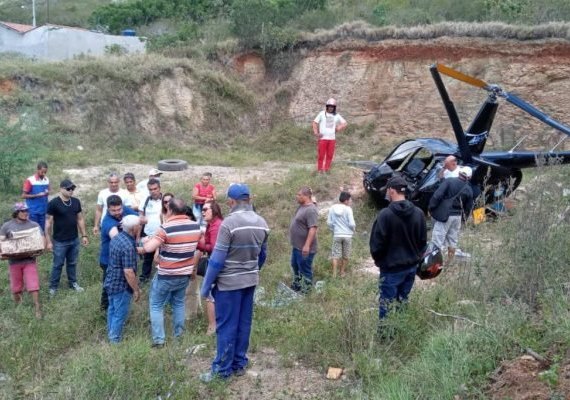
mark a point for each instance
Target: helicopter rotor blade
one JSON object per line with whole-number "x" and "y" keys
{"x": 535, "y": 112}
{"x": 462, "y": 77}
{"x": 511, "y": 98}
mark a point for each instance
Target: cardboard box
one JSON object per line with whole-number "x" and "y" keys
{"x": 334, "y": 373}
{"x": 22, "y": 244}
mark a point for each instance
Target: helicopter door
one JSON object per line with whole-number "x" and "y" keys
{"x": 417, "y": 166}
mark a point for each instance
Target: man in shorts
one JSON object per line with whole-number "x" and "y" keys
{"x": 23, "y": 271}
{"x": 341, "y": 222}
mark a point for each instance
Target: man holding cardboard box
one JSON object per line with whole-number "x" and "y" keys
{"x": 23, "y": 267}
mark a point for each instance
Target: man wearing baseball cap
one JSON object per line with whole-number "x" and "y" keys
{"x": 65, "y": 215}
{"x": 231, "y": 278}
{"x": 397, "y": 243}
{"x": 22, "y": 270}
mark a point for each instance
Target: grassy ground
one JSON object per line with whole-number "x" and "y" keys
{"x": 511, "y": 295}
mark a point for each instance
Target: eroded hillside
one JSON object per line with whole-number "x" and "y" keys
{"x": 389, "y": 84}
{"x": 384, "y": 86}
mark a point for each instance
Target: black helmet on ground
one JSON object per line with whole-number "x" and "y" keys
{"x": 431, "y": 263}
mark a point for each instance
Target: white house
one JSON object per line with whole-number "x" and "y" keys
{"x": 56, "y": 42}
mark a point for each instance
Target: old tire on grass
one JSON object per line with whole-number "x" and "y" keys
{"x": 172, "y": 165}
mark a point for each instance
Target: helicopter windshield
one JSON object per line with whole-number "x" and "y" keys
{"x": 403, "y": 150}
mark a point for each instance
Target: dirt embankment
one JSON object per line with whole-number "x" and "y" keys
{"x": 384, "y": 85}
{"x": 389, "y": 84}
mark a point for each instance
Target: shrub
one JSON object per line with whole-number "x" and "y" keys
{"x": 261, "y": 23}
{"x": 114, "y": 17}
{"x": 188, "y": 32}
{"x": 19, "y": 146}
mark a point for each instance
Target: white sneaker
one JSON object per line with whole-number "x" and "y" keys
{"x": 462, "y": 254}
{"x": 52, "y": 292}
{"x": 76, "y": 287}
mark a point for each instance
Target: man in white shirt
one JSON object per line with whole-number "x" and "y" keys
{"x": 325, "y": 126}
{"x": 341, "y": 222}
{"x": 142, "y": 185}
{"x": 151, "y": 209}
{"x": 101, "y": 207}
{"x": 450, "y": 168}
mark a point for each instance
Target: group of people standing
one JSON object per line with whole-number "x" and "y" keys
{"x": 61, "y": 215}
{"x": 229, "y": 252}
{"x": 304, "y": 239}
{"x": 187, "y": 240}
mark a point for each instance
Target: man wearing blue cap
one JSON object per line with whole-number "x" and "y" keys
{"x": 231, "y": 277}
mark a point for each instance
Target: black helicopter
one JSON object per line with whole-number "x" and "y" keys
{"x": 419, "y": 160}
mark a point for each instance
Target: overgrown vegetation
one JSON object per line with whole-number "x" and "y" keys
{"x": 19, "y": 145}
{"x": 512, "y": 294}
{"x": 271, "y": 26}
{"x": 510, "y": 297}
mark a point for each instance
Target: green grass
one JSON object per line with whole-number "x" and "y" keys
{"x": 435, "y": 356}
{"x": 513, "y": 292}
{"x": 61, "y": 12}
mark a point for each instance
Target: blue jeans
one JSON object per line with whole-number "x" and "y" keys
{"x": 117, "y": 312}
{"x": 104, "y": 297}
{"x": 395, "y": 286}
{"x": 64, "y": 253}
{"x": 40, "y": 219}
{"x": 163, "y": 291}
{"x": 302, "y": 270}
{"x": 234, "y": 315}
{"x": 197, "y": 211}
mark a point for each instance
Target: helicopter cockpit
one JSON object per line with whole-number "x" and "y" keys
{"x": 412, "y": 160}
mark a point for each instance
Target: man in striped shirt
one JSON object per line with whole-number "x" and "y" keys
{"x": 176, "y": 240}
{"x": 231, "y": 276}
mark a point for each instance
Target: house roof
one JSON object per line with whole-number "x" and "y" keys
{"x": 21, "y": 28}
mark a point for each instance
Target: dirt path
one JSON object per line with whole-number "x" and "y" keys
{"x": 269, "y": 377}
{"x": 92, "y": 179}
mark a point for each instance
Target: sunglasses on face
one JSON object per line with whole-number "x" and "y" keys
{"x": 205, "y": 209}
{"x": 70, "y": 189}
{"x": 166, "y": 201}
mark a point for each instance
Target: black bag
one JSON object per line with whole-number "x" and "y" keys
{"x": 202, "y": 265}
{"x": 441, "y": 212}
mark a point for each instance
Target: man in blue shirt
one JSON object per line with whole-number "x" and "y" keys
{"x": 35, "y": 191}
{"x": 121, "y": 281}
{"x": 231, "y": 278}
{"x": 110, "y": 227}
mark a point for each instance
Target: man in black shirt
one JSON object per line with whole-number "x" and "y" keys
{"x": 64, "y": 214}
{"x": 397, "y": 243}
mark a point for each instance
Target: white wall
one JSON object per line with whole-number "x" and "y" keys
{"x": 55, "y": 43}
